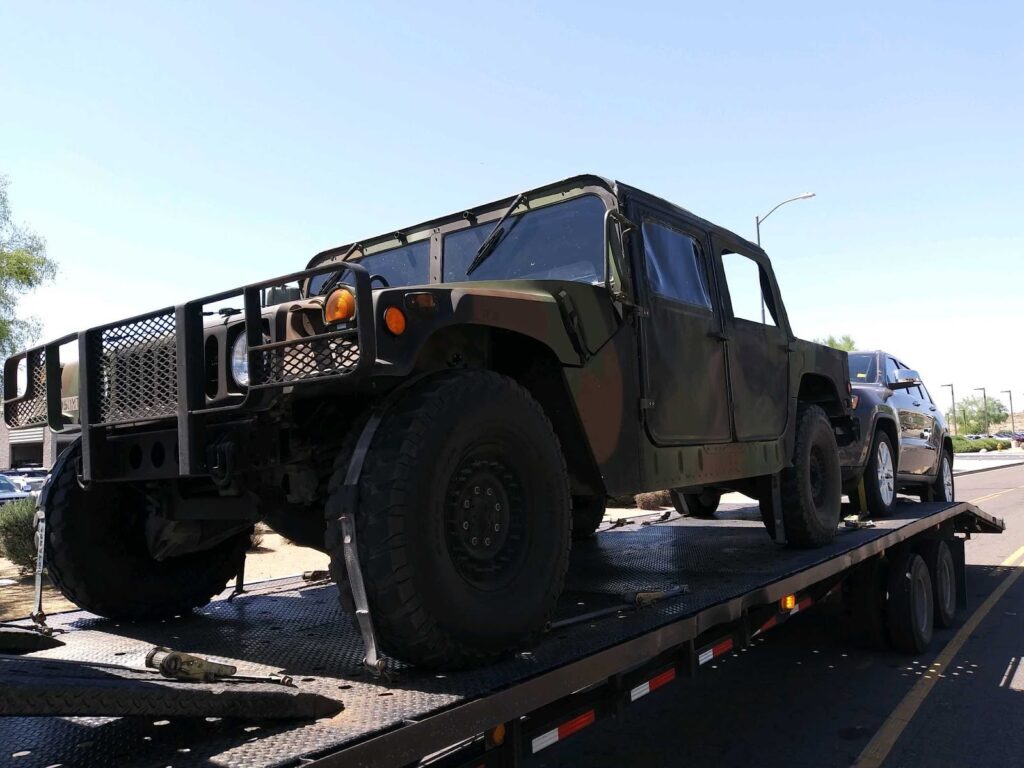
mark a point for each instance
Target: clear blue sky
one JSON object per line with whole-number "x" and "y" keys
{"x": 166, "y": 151}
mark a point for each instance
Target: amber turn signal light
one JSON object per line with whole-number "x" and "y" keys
{"x": 394, "y": 320}
{"x": 788, "y": 603}
{"x": 340, "y": 306}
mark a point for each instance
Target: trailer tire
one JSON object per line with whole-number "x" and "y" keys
{"x": 880, "y": 476}
{"x": 910, "y": 607}
{"x": 865, "y": 596}
{"x": 97, "y": 556}
{"x": 942, "y": 570}
{"x": 702, "y": 505}
{"x": 587, "y": 514}
{"x": 812, "y": 488}
{"x": 438, "y": 594}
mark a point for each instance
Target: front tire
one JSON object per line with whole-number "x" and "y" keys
{"x": 587, "y": 514}
{"x": 812, "y": 488}
{"x": 463, "y": 520}
{"x": 97, "y": 555}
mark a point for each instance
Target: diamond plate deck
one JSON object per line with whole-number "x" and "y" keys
{"x": 298, "y": 629}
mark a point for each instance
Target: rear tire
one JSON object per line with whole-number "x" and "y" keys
{"x": 463, "y": 522}
{"x": 942, "y": 570}
{"x": 97, "y": 555}
{"x": 910, "y": 608}
{"x": 944, "y": 487}
{"x": 880, "y": 476}
{"x": 812, "y": 488}
{"x": 587, "y": 514}
{"x": 702, "y": 505}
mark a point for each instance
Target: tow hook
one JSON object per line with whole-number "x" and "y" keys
{"x": 222, "y": 464}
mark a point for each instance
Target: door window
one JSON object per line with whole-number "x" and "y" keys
{"x": 891, "y": 366}
{"x": 748, "y": 289}
{"x": 675, "y": 265}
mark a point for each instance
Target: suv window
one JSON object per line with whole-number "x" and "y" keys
{"x": 891, "y": 366}
{"x": 675, "y": 265}
{"x": 747, "y": 282}
{"x": 563, "y": 241}
{"x": 863, "y": 369}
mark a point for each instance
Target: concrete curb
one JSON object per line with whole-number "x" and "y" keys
{"x": 963, "y": 472}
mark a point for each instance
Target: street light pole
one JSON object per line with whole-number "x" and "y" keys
{"x": 1013, "y": 425}
{"x": 757, "y": 226}
{"x": 984, "y": 399}
{"x": 952, "y": 396}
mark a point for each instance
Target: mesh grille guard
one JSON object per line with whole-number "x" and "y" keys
{"x": 152, "y": 367}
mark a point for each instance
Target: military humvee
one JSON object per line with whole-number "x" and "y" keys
{"x": 442, "y": 409}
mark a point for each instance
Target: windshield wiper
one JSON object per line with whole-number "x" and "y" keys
{"x": 333, "y": 279}
{"x": 495, "y": 237}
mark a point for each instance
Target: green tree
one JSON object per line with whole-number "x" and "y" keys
{"x": 970, "y": 415}
{"x": 844, "y": 342}
{"x": 23, "y": 266}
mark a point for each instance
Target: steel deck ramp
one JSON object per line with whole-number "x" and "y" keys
{"x": 729, "y": 564}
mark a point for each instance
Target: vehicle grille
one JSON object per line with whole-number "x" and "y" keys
{"x": 31, "y": 411}
{"x": 301, "y": 361}
{"x": 138, "y": 371}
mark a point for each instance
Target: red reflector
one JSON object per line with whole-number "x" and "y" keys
{"x": 722, "y": 647}
{"x": 576, "y": 724}
{"x": 665, "y": 677}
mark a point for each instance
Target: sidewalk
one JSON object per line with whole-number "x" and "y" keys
{"x": 967, "y": 463}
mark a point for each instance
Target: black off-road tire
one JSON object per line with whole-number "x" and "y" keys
{"x": 436, "y": 598}
{"x": 97, "y": 555}
{"x": 811, "y": 489}
{"x": 702, "y": 505}
{"x": 587, "y": 514}
{"x": 881, "y": 461}
{"x": 910, "y": 607}
{"x": 942, "y": 569}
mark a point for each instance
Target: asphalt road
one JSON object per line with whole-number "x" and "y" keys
{"x": 805, "y": 696}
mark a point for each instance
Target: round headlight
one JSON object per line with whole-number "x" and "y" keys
{"x": 240, "y": 361}
{"x": 21, "y": 380}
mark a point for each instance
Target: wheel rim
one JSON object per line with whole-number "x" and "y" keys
{"x": 883, "y": 463}
{"x": 485, "y": 522}
{"x": 816, "y": 467}
{"x": 922, "y": 615}
{"x": 947, "y": 480}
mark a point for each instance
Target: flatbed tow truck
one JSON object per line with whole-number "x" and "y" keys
{"x": 645, "y": 606}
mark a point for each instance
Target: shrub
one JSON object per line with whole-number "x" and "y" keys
{"x": 653, "y": 500}
{"x": 17, "y": 533}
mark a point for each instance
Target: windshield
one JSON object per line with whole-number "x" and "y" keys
{"x": 863, "y": 368}
{"x": 564, "y": 241}
{"x": 399, "y": 267}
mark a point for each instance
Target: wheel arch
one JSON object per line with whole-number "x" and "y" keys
{"x": 821, "y": 390}
{"x": 534, "y": 365}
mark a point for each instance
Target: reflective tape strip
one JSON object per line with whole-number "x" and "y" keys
{"x": 767, "y": 625}
{"x": 803, "y": 605}
{"x": 563, "y": 731}
{"x": 652, "y": 685}
{"x": 716, "y": 650}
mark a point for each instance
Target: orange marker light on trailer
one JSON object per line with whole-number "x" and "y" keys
{"x": 394, "y": 320}
{"x": 340, "y": 306}
{"x": 788, "y": 603}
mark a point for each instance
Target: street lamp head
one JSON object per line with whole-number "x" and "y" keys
{"x": 806, "y": 196}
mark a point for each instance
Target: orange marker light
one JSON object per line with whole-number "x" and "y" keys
{"x": 788, "y": 603}
{"x": 340, "y": 306}
{"x": 394, "y": 320}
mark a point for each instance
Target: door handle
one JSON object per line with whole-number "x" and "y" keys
{"x": 916, "y": 403}
{"x": 933, "y": 408}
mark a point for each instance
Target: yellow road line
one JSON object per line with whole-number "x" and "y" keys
{"x": 884, "y": 740}
{"x": 994, "y": 495}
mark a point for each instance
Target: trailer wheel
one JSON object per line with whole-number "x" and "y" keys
{"x": 812, "y": 488}
{"x": 702, "y": 505}
{"x": 942, "y": 570}
{"x": 587, "y": 514}
{"x": 865, "y": 598}
{"x": 97, "y": 555}
{"x": 463, "y": 521}
{"x": 880, "y": 476}
{"x": 910, "y": 608}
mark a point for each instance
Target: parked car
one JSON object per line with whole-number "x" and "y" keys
{"x": 28, "y": 479}
{"x": 904, "y": 444}
{"x": 10, "y": 492}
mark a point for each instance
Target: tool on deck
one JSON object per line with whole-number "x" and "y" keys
{"x": 190, "y": 668}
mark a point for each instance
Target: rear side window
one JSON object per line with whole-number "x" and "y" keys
{"x": 675, "y": 265}
{"x": 748, "y": 289}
